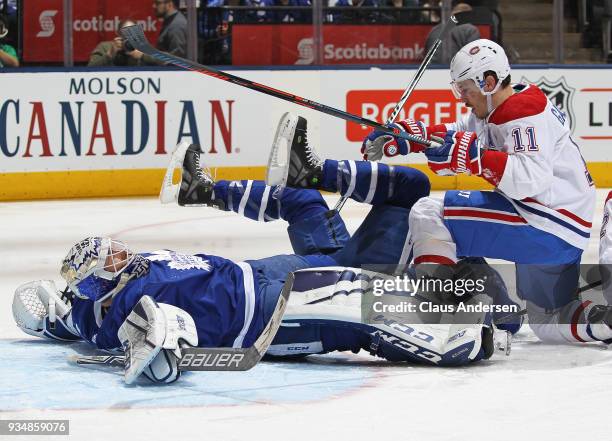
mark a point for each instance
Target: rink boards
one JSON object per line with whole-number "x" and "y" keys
{"x": 83, "y": 133}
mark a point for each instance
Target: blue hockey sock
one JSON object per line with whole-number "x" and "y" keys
{"x": 375, "y": 183}
{"x": 255, "y": 200}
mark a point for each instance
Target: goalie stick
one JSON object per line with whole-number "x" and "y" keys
{"x": 452, "y": 21}
{"x": 215, "y": 359}
{"x": 136, "y": 38}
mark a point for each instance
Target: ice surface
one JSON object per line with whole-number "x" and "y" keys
{"x": 541, "y": 392}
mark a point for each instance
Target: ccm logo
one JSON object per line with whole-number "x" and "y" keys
{"x": 211, "y": 360}
{"x": 430, "y": 106}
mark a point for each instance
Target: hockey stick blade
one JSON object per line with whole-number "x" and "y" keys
{"x": 238, "y": 359}
{"x": 104, "y": 360}
{"x": 135, "y": 36}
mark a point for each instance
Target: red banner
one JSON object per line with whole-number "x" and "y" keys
{"x": 93, "y": 21}
{"x": 430, "y": 106}
{"x": 343, "y": 44}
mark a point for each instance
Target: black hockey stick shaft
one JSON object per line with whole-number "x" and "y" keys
{"x": 450, "y": 24}
{"x": 136, "y": 38}
{"x": 589, "y": 286}
{"x": 512, "y": 316}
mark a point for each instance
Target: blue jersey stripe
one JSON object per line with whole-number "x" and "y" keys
{"x": 552, "y": 218}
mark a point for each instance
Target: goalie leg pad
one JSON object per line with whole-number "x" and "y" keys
{"x": 331, "y": 298}
{"x": 151, "y": 335}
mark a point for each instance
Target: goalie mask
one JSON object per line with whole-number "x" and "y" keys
{"x": 94, "y": 266}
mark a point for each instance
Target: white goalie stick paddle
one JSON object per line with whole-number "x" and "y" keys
{"x": 450, "y": 24}
{"x": 215, "y": 359}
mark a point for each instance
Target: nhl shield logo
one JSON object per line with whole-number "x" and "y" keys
{"x": 559, "y": 93}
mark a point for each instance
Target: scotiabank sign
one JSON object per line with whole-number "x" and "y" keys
{"x": 93, "y": 21}
{"x": 430, "y": 106}
{"x": 343, "y": 44}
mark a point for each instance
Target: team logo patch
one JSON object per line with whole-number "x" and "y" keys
{"x": 180, "y": 261}
{"x": 474, "y": 50}
{"x": 391, "y": 150}
{"x": 559, "y": 93}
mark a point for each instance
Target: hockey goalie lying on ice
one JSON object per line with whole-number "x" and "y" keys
{"x": 153, "y": 305}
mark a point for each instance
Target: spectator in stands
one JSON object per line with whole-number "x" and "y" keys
{"x": 289, "y": 16}
{"x": 213, "y": 27}
{"x": 431, "y": 15}
{"x": 252, "y": 16}
{"x": 173, "y": 35}
{"x": 8, "y": 54}
{"x": 402, "y": 15}
{"x": 459, "y": 36}
{"x": 353, "y": 14}
{"x": 113, "y": 53}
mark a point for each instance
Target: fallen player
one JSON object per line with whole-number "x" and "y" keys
{"x": 209, "y": 301}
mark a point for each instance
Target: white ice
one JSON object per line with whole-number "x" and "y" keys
{"x": 540, "y": 392}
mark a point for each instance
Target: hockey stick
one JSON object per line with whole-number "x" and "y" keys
{"x": 512, "y": 316}
{"x": 452, "y": 21}
{"x": 238, "y": 359}
{"x": 105, "y": 360}
{"x": 216, "y": 359}
{"x": 137, "y": 39}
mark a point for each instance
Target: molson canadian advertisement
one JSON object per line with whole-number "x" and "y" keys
{"x": 111, "y": 133}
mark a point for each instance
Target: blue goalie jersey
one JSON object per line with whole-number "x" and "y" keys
{"x": 218, "y": 293}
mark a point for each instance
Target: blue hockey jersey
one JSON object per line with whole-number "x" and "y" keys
{"x": 218, "y": 293}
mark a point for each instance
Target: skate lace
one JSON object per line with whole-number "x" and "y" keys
{"x": 312, "y": 156}
{"x": 203, "y": 172}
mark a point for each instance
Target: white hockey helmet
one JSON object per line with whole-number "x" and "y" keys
{"x": 476, "y": 58}
{"x": 92, "y": 267}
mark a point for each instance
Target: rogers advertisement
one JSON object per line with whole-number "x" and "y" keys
{"x": 343, "y": 44}
{"x": 93, "y": 21}
{"x": 432, "y": 106}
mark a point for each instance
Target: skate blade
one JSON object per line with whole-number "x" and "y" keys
{"x": 277, "y": 171}
{"x": 502, "y": 342}
{"x": 169, "y": 191}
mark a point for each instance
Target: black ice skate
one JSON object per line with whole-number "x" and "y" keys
{"x": 292, "y": 162}
{"x": 196, "y": 186}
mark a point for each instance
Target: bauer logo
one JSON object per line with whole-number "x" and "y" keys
{"x": 430, "y": 106}
{"x": 47, "y": 24}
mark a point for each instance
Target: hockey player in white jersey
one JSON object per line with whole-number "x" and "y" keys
{"x": 539, "y": 214}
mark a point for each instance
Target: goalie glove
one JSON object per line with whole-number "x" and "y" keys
{"x": 152, "y": 336}
{"x": 379, "y": 144}
{"x": 41, "y": 310}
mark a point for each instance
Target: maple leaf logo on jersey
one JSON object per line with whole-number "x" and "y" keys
{"x": 559, "y": 93}
{"x": 180, "y": 261}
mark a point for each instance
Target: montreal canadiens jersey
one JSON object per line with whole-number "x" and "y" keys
{"x": 545, "y": 177}
{"x": 218, "y": 293}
